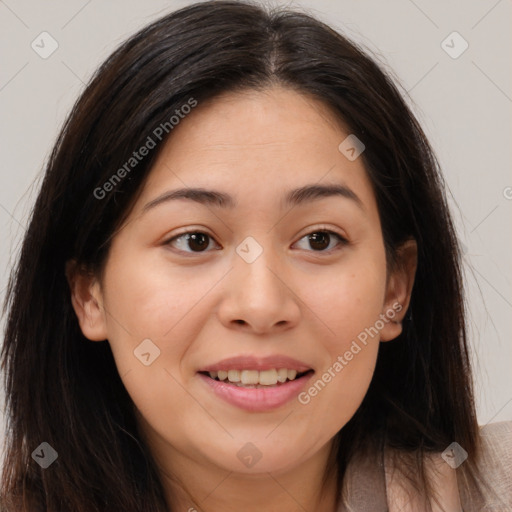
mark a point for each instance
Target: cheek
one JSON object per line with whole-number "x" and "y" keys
{"x": 349, "y": 304}
{"x": 152, "y": 319}
{"x": 152, "y": 309}
{"x": 149, "y": 298}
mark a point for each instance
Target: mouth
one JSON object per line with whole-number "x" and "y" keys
{"x": 256, "y": 390}
{"x": 256, "y": 379}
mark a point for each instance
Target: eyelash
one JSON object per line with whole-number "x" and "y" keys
{"x": 342, "y": 241}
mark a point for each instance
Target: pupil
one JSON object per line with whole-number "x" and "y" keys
{"x": 317, "y": 238}
{"x": 198, "y": 238}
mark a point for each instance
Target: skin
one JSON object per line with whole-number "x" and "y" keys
{"x": 203, "y": 306}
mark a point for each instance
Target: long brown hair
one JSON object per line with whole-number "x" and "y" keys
{"x": 66, "y": 391}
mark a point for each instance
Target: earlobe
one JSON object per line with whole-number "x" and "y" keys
{"x": 399, "y": 289}
{"x": 87, "y": 302}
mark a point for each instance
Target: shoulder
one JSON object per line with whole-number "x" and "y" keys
{"x": 383, "y": 473}
{"x": 496, "y": 444}
{"x": 495, "y": 467}
{"x": 450, "y": 479}
{"x": 404, "y": 497}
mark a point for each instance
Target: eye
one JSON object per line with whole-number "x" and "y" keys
{"x": 195, "y": 240}
{"x": 198, "y": 241}
{"x": 321, "y": 239}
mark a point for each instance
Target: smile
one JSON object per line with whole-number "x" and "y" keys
{"x": 255, "y": 390}
{"x": 252, "y": 378}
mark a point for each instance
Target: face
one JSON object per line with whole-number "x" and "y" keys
{"x": 267, "y": 279}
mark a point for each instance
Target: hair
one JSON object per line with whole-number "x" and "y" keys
{"x": 65, "y": 390}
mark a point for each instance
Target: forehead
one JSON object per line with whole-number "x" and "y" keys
{"x": 255, "y": 145}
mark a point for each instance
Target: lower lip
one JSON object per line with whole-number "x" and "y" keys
{"x": 257, "y": 399}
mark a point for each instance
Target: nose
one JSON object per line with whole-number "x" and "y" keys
{"x": 259, "y": 297}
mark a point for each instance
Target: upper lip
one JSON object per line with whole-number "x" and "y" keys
{"x": 248, "y": 362}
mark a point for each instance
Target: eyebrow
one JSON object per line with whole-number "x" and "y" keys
{"x": 305, "y": 194}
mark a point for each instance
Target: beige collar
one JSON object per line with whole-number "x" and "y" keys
{"x": 402, "y": 497}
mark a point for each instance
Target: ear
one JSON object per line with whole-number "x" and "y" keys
{"x": 399, "y": 289}
{"x": 86, "y": 299}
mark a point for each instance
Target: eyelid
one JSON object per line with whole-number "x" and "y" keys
{"x": 324, "y": 228}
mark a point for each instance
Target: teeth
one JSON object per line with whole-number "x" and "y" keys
{"x": 268, "y": 377}
{"x": 255, "y": 377}
{"x": 249, "y": 377}
{"x": 234, "y": 376}
{"x": 282, "y": 374}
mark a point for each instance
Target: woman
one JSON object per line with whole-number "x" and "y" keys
{"x": 240, "y": 286}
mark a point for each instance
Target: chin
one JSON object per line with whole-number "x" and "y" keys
{"x": 250, "y": 458}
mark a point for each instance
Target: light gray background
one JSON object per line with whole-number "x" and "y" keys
{"x": 464, "y": 105}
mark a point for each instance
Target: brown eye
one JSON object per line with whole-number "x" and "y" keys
{"x": 319, "y": 241}
{"x": 197, "y": 241}
{"x": 192, "y": 241}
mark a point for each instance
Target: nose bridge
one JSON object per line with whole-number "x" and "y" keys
{"x": 258, "y": 295}
{"x": 256, "y": 264}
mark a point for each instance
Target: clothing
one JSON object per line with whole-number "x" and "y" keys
{"x": 370, "y": 485}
